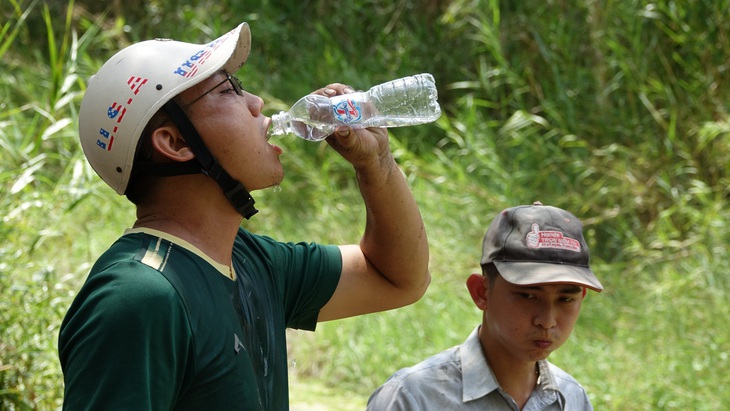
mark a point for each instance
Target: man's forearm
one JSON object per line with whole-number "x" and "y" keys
{"x": 395, "y": 239}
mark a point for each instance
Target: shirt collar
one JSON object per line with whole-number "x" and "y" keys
{"x": 227, "y": 271}
{"x": 478, "y": 377}
{"x": 546, "y": 381}
{"x": 547, "y": 387}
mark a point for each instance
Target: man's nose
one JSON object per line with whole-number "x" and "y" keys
{"x": 545, "y": 317}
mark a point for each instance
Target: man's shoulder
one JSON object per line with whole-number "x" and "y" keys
{"x": 131, "y": 270}
{"x": 270, "y": 251}
{"x": 561, "y": 376}
{"x": 434, "y": 383}
{"x": 442, "y": 366}
{"x": 569, "y": 387}
{"x": 129, "y": 283}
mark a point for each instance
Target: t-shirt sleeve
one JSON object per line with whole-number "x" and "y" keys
{"x": 308, "y": 292}
{"x": 306, "y": 275}
{"x": 126, "y": 321}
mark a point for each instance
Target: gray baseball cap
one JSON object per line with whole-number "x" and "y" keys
{"x": 538, "y": 244}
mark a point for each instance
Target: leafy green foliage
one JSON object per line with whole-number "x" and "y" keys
{"x": 617, "y": 111}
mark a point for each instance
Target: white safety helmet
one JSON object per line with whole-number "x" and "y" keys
{"x": 135, "y": 83}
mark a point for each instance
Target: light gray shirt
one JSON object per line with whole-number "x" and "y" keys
{"x": 460, "y": 379}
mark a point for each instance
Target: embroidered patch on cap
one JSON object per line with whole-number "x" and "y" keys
{"x": 550, "y": 239}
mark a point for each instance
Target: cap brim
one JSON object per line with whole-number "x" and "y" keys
{"x": 228, "y": 52}
{"x": 525, "y": 273}
{"x": 242, "y": 48}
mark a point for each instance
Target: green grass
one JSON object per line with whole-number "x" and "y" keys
{"x": 617, "y": 111}
{"x": 313, "y": 395}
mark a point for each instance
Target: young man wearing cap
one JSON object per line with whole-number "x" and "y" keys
{"x": 534, "y": 276}
{"x": 187, "y": 310}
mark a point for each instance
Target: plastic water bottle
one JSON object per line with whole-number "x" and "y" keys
{"x": 403, "y": 102}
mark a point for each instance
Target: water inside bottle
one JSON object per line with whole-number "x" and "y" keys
{"x": 402, "y": 102}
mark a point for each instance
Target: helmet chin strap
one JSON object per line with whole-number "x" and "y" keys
{"x": 234, "y": 191}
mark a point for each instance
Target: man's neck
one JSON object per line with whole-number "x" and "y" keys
{"x": 208, "y": 222}
{"x": 517, "y": 378}
{"x": 519, "y": 385}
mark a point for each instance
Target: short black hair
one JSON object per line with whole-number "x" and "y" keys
{"x": 490, "y": 271}
{"x": 141, "y": 184}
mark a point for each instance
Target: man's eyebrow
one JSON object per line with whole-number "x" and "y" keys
{"x": 530, "y": 287}
{"x": 571, "y": 289}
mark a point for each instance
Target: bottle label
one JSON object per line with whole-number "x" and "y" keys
{"x": 347, "y": 111}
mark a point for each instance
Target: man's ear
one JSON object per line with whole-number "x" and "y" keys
{"x": 170, "y": 144}
{"x": 478, "y": 286}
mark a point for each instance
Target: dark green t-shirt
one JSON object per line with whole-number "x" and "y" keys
{"x": 158, "y": 325}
